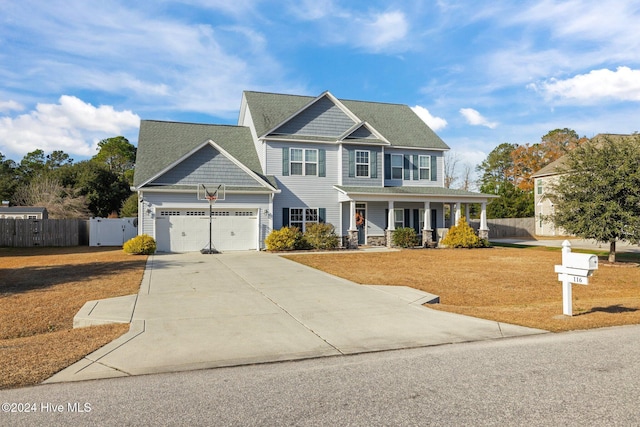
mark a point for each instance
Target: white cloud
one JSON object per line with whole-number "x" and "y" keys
{"x": 435, "y": 123}
{"x": 473, "y": 117}
{"x": 620, "y": 85}
{"x": 71, "y": 125}
{"x": 383, "y": 30}
{"x": 10, "y": 105}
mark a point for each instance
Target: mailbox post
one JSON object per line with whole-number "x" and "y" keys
{"x": 575, "y": 268}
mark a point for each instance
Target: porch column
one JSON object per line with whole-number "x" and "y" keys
{"x": 352, "y": 233}
{"x": 458, "y": 212}
{"x": 352, "y": 213}
{"x": 427, "y": 230}
{"x": 483, "y": 232}
{"x": 391, "y": 228}
{"x": 467, "y": 211}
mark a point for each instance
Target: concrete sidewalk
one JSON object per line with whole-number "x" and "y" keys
{"x": 198, "y": 311}
{"x": 576, "y": 243}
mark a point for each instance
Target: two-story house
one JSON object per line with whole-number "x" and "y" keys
{"x": 365, "y": 167}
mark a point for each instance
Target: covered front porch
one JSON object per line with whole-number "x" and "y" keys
{"x": 370, "y": 215}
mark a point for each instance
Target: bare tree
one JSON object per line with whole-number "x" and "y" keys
{"x": 467, "y": 177}
{"x": 60, "y": 202}
{"x": 451, "y": 161}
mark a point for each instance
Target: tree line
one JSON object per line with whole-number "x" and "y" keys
{"x": 507, "y": 170}
{"x": 98, "y": 187}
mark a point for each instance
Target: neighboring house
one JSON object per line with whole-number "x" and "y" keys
{"x": 544, "y": 180}
{"x": 365, "y": 167}
{"x": 23, "y": 212}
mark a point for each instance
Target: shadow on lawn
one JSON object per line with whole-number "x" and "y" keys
{"x": 612, "y": 309}
{"x": 17, "y": 280}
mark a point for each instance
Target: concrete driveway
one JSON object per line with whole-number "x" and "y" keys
{"x": 198, "y": 311}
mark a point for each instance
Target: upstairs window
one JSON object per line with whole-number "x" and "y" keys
{"x": 396, "y": 166}
{"x": 303, "y": 161}
{"x": 424, "y": 166}
{"x": 362, "y": 164}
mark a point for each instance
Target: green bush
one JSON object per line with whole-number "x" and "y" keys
{"x": 405, "y": 237}
{"x": 285, "y": 239}
{"x": 463, "y": 236}
{"x": 140, "y": 245}
{"x": 321, "y": 236}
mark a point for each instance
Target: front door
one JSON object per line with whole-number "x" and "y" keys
{"x": 361, "y": 223}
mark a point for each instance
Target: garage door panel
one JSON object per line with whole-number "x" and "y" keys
{"x": 191, "y": 233}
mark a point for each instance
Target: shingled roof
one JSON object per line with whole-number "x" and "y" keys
{"x": 396, "y": 122}
{"x": 162, "y": 143}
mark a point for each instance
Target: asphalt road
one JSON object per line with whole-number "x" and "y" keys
{"x": 575, "y": 378}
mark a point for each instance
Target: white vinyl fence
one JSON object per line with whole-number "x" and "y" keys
{"x": 112, "y": 231}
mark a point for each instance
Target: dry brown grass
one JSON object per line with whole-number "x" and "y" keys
{"x": 41, "y": 289}
{"x": 512, "y": 285}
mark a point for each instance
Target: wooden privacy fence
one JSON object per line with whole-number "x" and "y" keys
{"x": 23, "y": 233}
{"x": 508, "y": 227}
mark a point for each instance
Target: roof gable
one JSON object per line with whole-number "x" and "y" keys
{"x": 162, "y": 145}
{"x": 207, "y": 165}
{"x": 363, "y": 132}
{"x": 322, "y": 117}
{"x": 397, "y": 123}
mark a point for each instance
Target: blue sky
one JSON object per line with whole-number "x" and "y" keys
{"x": 480, "y": 73}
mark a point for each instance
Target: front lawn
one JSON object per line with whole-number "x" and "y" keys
{"x": 41, "y": 289}
{"x": 512, "y": 285}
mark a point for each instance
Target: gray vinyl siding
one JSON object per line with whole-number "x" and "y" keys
{"x": 323, "y": 118}
{"x": 439, "y": 182}
{"x": 304, "y": 191}
{"x": 158, "y": 201}
{"x": 362, "y": 133}
{"x": 361, "y": 181}
{"x": 207, "y": 165}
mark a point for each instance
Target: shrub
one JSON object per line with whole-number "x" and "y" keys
{"x": 405, "y": 237}
{"x": 463, "y": 236}
{"x": 321, "y": 236}
{"x": 140, "y": 245}
{"x": 285, "y": 239}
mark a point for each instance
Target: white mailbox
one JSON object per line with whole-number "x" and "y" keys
{"x": 575, "y": 268}
{"x": 586, "y": 262}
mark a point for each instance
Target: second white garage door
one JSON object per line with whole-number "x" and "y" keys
{"x": 231, "y": 231}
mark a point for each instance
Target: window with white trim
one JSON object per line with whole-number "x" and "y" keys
{"x": 362, "y": 164}
{"x": 299, "y": 217}
{"x": 397, "y": 162}
{"x": 539, "y": 185}
{"x": 424, "y": 166}
{"x": 398, "y": 218}
{"x": 303, "y": 161}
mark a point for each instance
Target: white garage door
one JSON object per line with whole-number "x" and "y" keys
{"x": 182, "y": 231}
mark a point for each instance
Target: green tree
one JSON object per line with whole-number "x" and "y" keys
{"x": 118, "y": 155}
{"x": 8, "y": 177}
{"x": 32, "y": 164}
{"x": 130, "y": 206}
{"x": 495, "y": 168}
{"x": 497, "y": 178}
{"x": 597, "y": 195}
{"x": 105, "y": 191}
